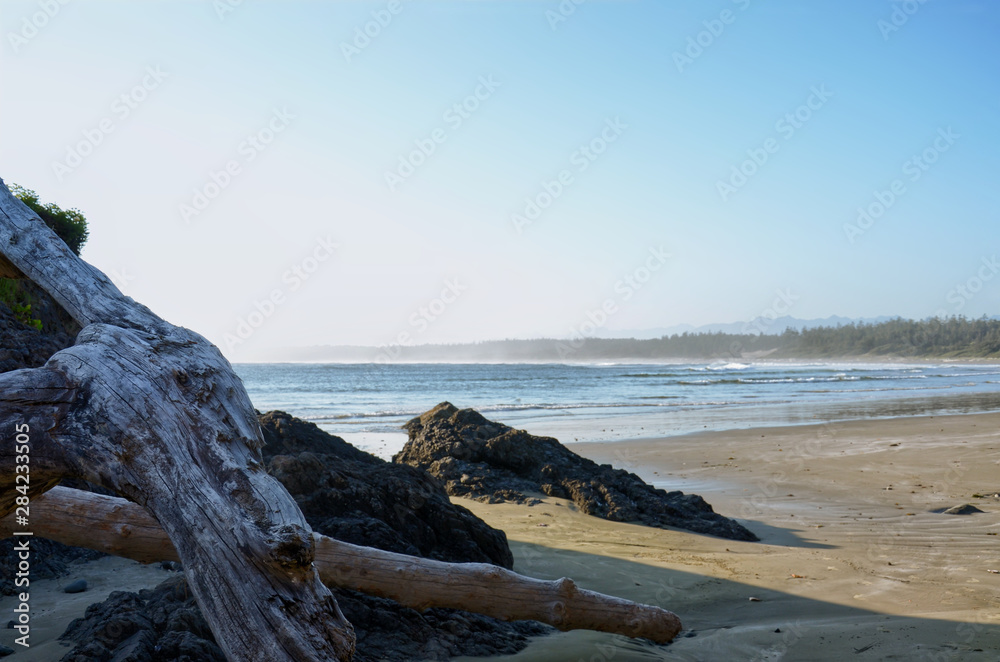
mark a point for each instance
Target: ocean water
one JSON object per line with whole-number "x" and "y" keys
{"x": 367, "y": 403}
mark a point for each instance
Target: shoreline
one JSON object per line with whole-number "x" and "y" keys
{"x": 865, "y": 360}
{"x": 386, "y": 443}
{"x": 853, "y": 562}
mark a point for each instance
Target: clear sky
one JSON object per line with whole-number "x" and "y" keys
{"x": 423, "y": 153}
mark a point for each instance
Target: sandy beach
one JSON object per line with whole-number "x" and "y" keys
{"x": 52, "y": 610}
{"x": 853, "y": 563}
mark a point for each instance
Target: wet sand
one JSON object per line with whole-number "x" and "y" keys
{"x": 853, "y": 563}
{"x": 52, "y": 610}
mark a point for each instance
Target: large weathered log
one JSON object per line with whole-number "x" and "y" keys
{"x": 119, "y": 527}
{"x": 155, "y": 413}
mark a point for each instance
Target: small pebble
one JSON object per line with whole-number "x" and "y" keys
{"x": 754, "y": 599}
{"x": 79, "y": 586}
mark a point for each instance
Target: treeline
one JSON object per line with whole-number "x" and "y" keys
{"x": 955, "y": 337}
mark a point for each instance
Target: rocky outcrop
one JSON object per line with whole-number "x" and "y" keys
{"x": 350, "y": 495}
{"x": 22, "y": 346}
{"x": 159, "y": 624}
{"x": 165, "y": 625}
{"x": 356, "y": 497}
{"x": 487, "y": 461}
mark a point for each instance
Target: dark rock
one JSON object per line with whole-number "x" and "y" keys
{"x": 140, "y": 646}
{"x": 391, "y": 633}
{"x": 964, "y": 509}
{"x": 11, "y": 624}
{"x": 491, "y": 462}
{"x": 356, "y": 497}
{"x": 5, "y": 651}
{"x": 79, "y": 586}
{"x": 22, "y": 346}
{"x": 158, "y": 624}
{"x": 165, "y": 624}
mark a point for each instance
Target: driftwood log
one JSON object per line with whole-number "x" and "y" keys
{"x": 119, "y": 527}
{"x": 155, "y": 413}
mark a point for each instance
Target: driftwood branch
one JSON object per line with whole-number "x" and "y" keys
{"x": 119, "y": 527}
{"x": 155, "y": 413}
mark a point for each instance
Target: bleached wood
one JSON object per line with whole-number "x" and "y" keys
{"x": 155, "y": 413}
{"x": 119, "y": 527}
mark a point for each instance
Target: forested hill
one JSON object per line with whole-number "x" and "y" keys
{"x": 955, "y": 337}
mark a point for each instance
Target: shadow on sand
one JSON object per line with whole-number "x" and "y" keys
{"x": 722, "y": 624}
{"x": 776, "y": 535}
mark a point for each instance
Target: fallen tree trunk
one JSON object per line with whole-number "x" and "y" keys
{"x": 118, "y": 527}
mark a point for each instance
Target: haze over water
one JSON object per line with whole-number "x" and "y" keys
{"x": 367, "y": 403}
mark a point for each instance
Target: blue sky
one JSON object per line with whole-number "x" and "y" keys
{"x": 438, "y": 255}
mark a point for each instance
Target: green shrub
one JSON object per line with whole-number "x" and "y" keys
{"x": 19, "y": 301}
{"x": 69, "y": 224}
